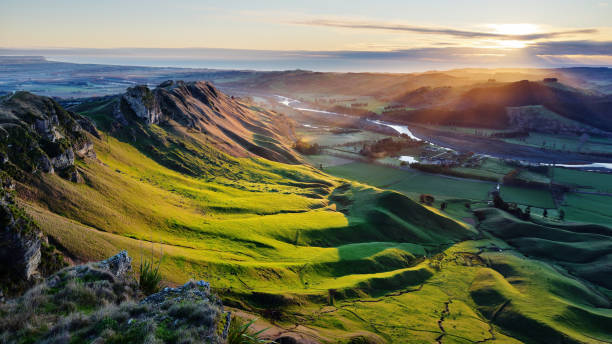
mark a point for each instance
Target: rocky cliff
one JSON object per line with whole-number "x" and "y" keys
{"x": 25, "y": 254}
{"x": 100, "y": 303}
{"x": 38, "y": 135}
{"x": 200, "y": 110}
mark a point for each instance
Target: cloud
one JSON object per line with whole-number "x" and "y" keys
{"x": 572, "y": 48}
{"x": 440, "y": 31}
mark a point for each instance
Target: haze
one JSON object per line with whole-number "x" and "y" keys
{"x": 390, "y": 36}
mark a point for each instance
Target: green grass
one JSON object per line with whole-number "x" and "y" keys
{"x": 341, "y": 259}
{"x": 592, "y": 181}
{"x": 540, "y": 198}
{"x": 588, "y": 208}
{"x": 326, "y": 160}
{"x": 564, "y": 143}
{"x": 412, "y": 182}
{"x": 326, "y": 138}
{"x": 247, "y": 232}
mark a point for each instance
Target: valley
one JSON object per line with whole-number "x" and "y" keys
{"x": 370, "y": 230}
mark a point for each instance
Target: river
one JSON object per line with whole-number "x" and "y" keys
{"x": 403, "y": 129}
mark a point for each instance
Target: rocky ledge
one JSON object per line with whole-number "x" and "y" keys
{"x": 37, "y": 134}
{"x": 101, "y": 303}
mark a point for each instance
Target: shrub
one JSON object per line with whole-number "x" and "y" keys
{"x": 195, "y": 313}
{"x": 307, "y": 148}
{"x": 426, "y": 199}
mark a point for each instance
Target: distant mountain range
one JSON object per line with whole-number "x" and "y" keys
{"x": 72, "y": 80}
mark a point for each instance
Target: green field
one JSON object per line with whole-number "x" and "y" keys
{"x": 412, "y": 181}
{"x": 325, "y": 138}
{"x": 592, "y": 181}
{"x": 588, "y": 208}
{"x": 540, "y": 198}
{"x": 564, "y": 143}
{"x": 490, "y": 167}
{"x": 326, "y": 160}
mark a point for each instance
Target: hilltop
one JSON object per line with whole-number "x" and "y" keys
{"x": 202, "y": 113}
{"x": 486, "y": 105}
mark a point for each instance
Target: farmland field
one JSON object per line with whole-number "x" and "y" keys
{"x": 588, "y": 208}
{"x": 593, "y": 181}
{"x": 325, "y": 138}
{"x": 540, "y": 198}
{"x": 564, "y": 143}
{"x": 412, "y": 182}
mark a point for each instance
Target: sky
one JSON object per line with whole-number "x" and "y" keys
{"x": 340, "y": 35}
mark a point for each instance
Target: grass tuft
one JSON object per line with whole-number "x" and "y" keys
{"x": 149, "y": 280}
{"x": 240, "y": 332}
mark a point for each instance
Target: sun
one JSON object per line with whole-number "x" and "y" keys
{"x": 514, "y": 29}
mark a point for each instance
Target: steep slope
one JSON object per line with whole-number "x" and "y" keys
{"x": 204, "y": 113}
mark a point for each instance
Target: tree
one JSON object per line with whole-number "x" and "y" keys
{"x": 527, "y": 214}
{"x": 498, "y": 202}
{"x": 427, "y": 199}
{"x": 545, "y": 213}
{"x": 561, "y": 215}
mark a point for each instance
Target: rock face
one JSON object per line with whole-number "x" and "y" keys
{"x": 114, "y": 311}
{"x": 20, "y": 240}
{"x": 25, "y": 255}
{"x": 143, "y": 103}
{"x": 225, "y": 122}
{"x": 37, "y": 134}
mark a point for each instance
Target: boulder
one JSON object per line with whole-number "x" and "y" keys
{"x": 119, "y": 265}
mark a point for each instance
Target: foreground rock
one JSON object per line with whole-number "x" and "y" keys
{"x": 100, "y": 303}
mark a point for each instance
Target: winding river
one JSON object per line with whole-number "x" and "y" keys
{"x": 403, "y": 129}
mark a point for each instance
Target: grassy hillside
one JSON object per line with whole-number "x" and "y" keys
{"x": 301, "y": 247}
{"x": 324, "y": 257}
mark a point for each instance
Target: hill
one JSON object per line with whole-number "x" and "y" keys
{"x": 204, "y": 114}
{"x": 485, "y": 105}
{"x": 320, "y": 259}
